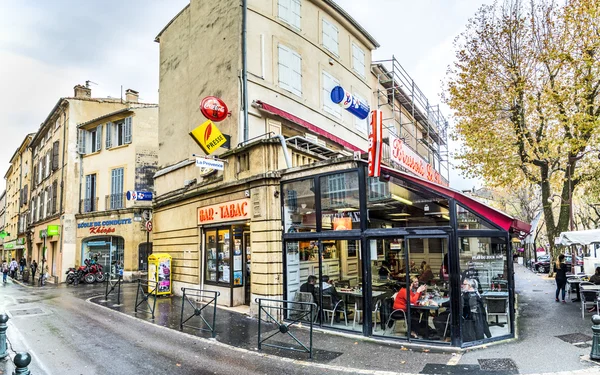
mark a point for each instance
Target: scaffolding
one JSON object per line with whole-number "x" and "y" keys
{"x": 410, "y": 116}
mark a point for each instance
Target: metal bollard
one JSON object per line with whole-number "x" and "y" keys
{"x": 21, "y": 361}
{"x": 3, "y": 328}
{"x": 595, "y": 354}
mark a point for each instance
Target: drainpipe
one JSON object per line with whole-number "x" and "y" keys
{"x": 62, "y": 176}
{"x": 244, "y": 68}
{"x": 285, "y": 149}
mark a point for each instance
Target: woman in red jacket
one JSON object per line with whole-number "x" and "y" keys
{"x": 415, "y": 294}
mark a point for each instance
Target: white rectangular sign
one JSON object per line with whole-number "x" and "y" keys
{"x": 208, "y": 163}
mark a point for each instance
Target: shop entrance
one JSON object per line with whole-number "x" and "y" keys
{"x": 248, "y": 256}
{"x": 108, "y": 251}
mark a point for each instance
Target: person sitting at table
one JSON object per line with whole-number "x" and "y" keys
{"x": 472, "y": 274}
{"x": 427, "y": 275}
{"x": 385, "y": 272}
{"x": 309, "y": 287}
{"x": 473, "y": 313}
{"x": 400, "y": 303}
{"x": 328, "y": 289}
{"x": 412, "y": 268}
{"x": 596, "y": 277}
{"x": 440, "y": 321}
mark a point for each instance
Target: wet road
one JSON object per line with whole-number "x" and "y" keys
{"x": 67, "y": 335}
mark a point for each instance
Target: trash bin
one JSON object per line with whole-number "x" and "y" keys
{"x": 159, "y": 270}
{"x": 26, "y": 275}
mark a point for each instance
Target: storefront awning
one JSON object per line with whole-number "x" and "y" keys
{"x": 497, "y": 217}
{"x": 580, "y": 237}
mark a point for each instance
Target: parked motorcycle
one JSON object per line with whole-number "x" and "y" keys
{"x": 96, "y": 270}
{"x": 80, "y": 274}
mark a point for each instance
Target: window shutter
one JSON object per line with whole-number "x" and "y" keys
{"x": 109, "y": 130}
{"x": 48, "y": 155}
{"x": 21, "y": 198}
{"x": 99, "y": 138}
{"x": 81, "y": 142}
{"x": 54, "y": 196}
{"x": 49, "y": 201}
{"x": 42, "y": 168}
{"x": 330, "y": 37}
{"x": 296, "y": 73}
{"x": 285, "y": 71}
{"x": 55, "y": 156}
{"x": 127, "y": 136}
{"x": 328, "y": 84}
{"x": 34, "y": 176}
{"x": 295, "y": 13}
{"x": 25, "y": 193}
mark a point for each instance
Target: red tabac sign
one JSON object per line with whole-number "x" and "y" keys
{"x": 214, "y": 108}
{"x": 407, "y": 158}
{"x": 375, "y": 134}
{"x": 228, "y": 211}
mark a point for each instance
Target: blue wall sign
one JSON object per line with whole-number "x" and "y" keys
{"x": 352, "y": 104}
{"x": 133, "y": 195}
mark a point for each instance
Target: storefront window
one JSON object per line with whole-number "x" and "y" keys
{"x": 340, "y": 201}
{"x": 469, "y": 220}
{"x": 299, "y": 206}
{"x": 396, "y": 203}
{"x": 485, "y": 295}
{"x": 218, "y": 256}
{"x": 108, "y": 251}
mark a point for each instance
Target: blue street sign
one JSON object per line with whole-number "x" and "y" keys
{"x": 133, "y": 195}
{"x": 351, "y": 103}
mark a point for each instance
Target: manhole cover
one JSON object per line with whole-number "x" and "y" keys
{"x": 572, "y": 338}
{"x": 497, "y": 364}
{"x": 26, "y": 312}
{"x": 583, "y": 346}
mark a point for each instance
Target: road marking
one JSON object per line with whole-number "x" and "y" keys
{"x": 455, "y": 359}
{"x": 15, "y": 331}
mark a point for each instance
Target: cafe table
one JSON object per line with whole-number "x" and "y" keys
{"x": 425, "y": 306}
{"x": 591, "y": 287}
{"x": 575, "y": 280}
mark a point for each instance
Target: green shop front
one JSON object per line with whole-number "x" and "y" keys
{"x": 373, "y": 236}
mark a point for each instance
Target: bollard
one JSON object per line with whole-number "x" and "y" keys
{"x": 21, "y": 361}
{"x": 595, "y": 354}
{"x": 3, "y": 328}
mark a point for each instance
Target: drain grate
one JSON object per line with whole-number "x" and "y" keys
{"x": 498, "y": 364}
{"x": 583, "y": 346}
{"x": 22, "y": 300}
{"x": 573, "y": 338}
{"x": 26, "y": 312}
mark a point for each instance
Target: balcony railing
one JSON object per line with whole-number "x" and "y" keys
{"x": 115, "y": 201}
{"x": 88, "y": 205}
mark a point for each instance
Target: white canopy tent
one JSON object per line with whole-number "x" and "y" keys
{"x": 580, "y": 237}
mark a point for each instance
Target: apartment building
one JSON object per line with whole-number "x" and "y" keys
{"x": 56, "y": 168}
{"x": 3, "y": 233}
{"x": 118, "y": 153}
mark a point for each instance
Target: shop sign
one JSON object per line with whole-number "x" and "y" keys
{"x": 53, "y": 230}
{"x": 133, "y": 195}
{"x": 228, "y": 211}
{"x": 208, "y": 137}
{"x": 349, "y": 102}
{"x": 103, "y": 227}
{"x": 375, "y": 140}
{"x": 9, "y": 245}
{"x": 407, "y": 158}
{"x": 210, "y": 163}
{"x": 214, "y": 108}
{"x": 21, "y": 241}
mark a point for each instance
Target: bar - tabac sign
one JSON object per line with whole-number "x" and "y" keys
{"x": 208, "y": 137}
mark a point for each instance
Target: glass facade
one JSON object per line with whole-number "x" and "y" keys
{"x": 224, "y": 256}
{"x": 389, "y": 257}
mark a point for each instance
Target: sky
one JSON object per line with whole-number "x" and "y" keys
{"x": 49, "y": 46}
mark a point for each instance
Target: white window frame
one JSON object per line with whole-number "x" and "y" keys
{"x": 328, "y": 82}
{"x": 290, "y": 12}
{"x": 47, "y": 161}
{"x": 361, "y": 125}
{"x": 290, "y": 70}
{"x": 358, "y": 60}
{"x": 330, "y": 36}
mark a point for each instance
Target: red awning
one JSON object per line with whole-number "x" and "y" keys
{"x": 497, "y": 217}
{"x": 313, "y": 128}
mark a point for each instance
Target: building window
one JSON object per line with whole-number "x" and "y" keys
{"x": 89, "y": 203}
{"x": 118, "y": 133}
{"x": 329, "y": 82}
{"x": 361, "y": 125}
{"x": 116, "y": 190}
{"x": 48, "y": 195}
{"x": 54, "y": 196}
{"x": 55, "y": 156}
{"x": 289, "y": 12}
{"x": 290, "y": 70}
{"x": 47, "y": 165}
{"x": 340, "y": 201}
{"x": 358, "y": 60}
{"x": 330, "y": 37}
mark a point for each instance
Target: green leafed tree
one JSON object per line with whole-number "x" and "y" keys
{"x": 525, "y": 91}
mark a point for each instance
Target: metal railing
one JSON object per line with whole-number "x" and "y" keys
{"x": 115, "y": 201}
{"x": 113, "y": 284}
{"x": 88, "y": 205}
{"x": 204, "y": 297}
{"x": 152, "y": 290}
{"x": 286, "y": 308}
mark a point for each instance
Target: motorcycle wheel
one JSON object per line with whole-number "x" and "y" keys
{"x": 89, "y": 278}
{"x": 100, "y": 277}
{"x": 70, "y": 279}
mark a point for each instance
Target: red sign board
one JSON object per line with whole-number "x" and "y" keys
{"x": 214, "y": 108}
{"x": 149, "y": 226}
{"x": 409, "y": 159}
{"x": 228, "y": 211}
{"x": 375, "y": 140}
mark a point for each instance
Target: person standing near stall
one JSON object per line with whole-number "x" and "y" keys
{"x": 561, "y": 276}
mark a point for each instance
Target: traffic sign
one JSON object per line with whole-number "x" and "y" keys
{"x": 147, "y": 215}
{"x": 149, "y": 226}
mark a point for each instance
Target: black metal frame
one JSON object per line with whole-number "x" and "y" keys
{"x": 364, "y": 235}
{"x": 199, "y": 293}
{"x": 145, "y": 296}
{"x": 285, "y": 328}
{"x": 114, "y": 285}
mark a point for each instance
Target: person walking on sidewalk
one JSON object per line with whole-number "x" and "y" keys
{"x": 33, "y": 267}
{"x": 22, "y": 264}
{"x": 4, "y": 271}
{"x": 561, "y": 276}
{"x": 14, "y": 266}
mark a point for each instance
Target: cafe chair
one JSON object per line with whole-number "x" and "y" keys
{"x": 571, "y": 287}
{"x": 358, "y": 310}
{"x": 589, "y": 298}
{"x": 330, "y": 309}
{"x": 298, "y": 308}
{"x": 395, "y": 316}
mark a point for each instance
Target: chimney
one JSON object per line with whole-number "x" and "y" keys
{"x": 131, "y": 96}
{"x": 82, "y": 91}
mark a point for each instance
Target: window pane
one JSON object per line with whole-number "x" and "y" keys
{"x": 485, "y": 313}
{"x": 469, "y": 220}
{"x": 340, "y": 209}
{"x": 299, "y": 206}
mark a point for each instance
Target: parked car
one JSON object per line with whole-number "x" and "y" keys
{"x": 543, "y": 263}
